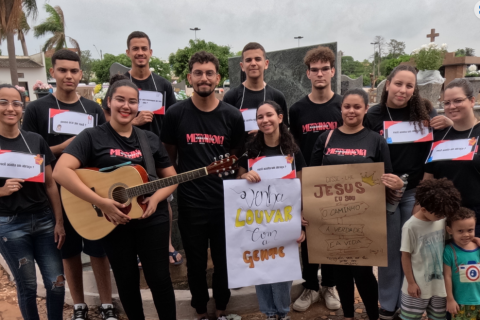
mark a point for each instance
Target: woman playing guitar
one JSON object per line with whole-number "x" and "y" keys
{"x": 111, "y": 144}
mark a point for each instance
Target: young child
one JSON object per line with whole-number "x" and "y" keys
{"x": 461, "y": 270}
{"x": 423, "y": 237}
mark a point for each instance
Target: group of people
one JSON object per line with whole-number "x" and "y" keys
{"x": 191, "y": 135}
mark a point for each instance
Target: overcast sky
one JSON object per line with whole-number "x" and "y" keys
{"x": 273, "y": 23}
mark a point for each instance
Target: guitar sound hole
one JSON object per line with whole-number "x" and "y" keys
{"x": 120, "y": 195}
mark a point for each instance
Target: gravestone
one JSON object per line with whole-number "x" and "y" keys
{"x": 348, "y": 83}
{"x": 117, "y": 68}
{"x": 380, "y": 87}
{"x": 286, "y": 72}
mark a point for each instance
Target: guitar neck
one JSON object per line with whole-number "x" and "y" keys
{"x": 153, "y": 186}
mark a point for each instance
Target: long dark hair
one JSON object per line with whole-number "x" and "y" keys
{"x": 287, "y": 142}
{"x": 9, "y": 86}
{"x": 419, "y": 109}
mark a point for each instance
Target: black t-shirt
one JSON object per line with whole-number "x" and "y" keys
{"x": 465, "y": 175}
{"x": 406, "y": 157}
{"x": 103, "y": 147}
{"x": 364, "y": 146}
{"x": 36, "y": 117}
{"x": 308, "y": 120}
{"x": 252, "y": 99}
{"x": 199, "y": 137}
{"x": 298, "y": 161}
{"x": 33, "y": 196}
{"x": 163, "y": 86}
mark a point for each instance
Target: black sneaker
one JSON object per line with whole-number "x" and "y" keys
{"x": 80, "y": 313}
{"x": 385, "y": 315}
{"x": 108, "y": 313}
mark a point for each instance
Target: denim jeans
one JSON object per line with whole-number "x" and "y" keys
{"x": 274, "y": 298}
{"x": 390, "y": 279}
{"x": 26, "y": 239}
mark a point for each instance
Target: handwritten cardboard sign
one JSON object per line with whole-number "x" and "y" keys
{"x": 273, "y": 167}
{"x": 250, "y": 119}
{"x": 455, "y": 150}
{"x": 406, "y": 132}
{"x": 346, "y": 211}
{"x": 70, "y": 122}
{"x": 21, "y": 165}
{"x": 262, "y": 223}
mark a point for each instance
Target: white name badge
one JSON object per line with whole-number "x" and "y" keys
{"x": 20, "y": 165}
{"x": 69, "y": 122}
{"x": 151, "y": 101}
{"x": 405, "y": 132}
{"x": 470, "y": 273}
{"x": 250, "y": 119}
{"x": 461, "y": 149}
{"x": 278, "y": 167}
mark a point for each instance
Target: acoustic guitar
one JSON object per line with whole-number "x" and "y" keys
{"x": 126, "y": 185}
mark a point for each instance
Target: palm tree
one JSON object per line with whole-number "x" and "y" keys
{"x": 54, "y": 24}
{"x": 10, "y": 16}
{"x": 22, "y": 29}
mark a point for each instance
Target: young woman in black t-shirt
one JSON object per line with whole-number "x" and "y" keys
{"x": 272, "y": 139}
{"x": 28, "y": 231}
{"x": 459, "y": 100}
{"x": 114, "y": 143}
{"x": 329, "y": 150}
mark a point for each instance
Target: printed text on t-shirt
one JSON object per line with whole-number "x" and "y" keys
{"x": 130, "y": 155}
{"x": 319, "y": 126}
{"x": 347, "y": 152}
{"x": 203, "y": 138}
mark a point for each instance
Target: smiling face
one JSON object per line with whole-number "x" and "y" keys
{"x": 268, "y": 120}
{"x": 456, "y": 104}
{"x": 139, "y": 52}
{"x": 353, "y": 110}
{"x": 254, "y": 63}
{"x": 10, "y": 111}
{"x": 320, "y": 74}
{"x": 204, "y": 78}
{"x": 123, "y": 105}
{"x": 67, "y": 74}
{"x": 400, "y": 89}
{"x": 462, "y": 231}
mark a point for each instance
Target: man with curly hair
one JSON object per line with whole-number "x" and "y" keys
{"x": 309, "y": 117}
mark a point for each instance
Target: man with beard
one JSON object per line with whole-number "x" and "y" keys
{"x": 139, "y": 51}
{"x": 309, "y": 117}
{"x": 254, "y": 90}
{"x": 195, "y": 132}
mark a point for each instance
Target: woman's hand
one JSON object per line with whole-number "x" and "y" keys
{"x": 151, "y": 207}
{"x": 59, "y": 234}
{"x": 440, "y": 122}
{"x": 392, "y": 181}
{"x": 11, "y": 186}
{"x": 301, "y": 238}
{"x": 304, "y": 222}
{"x": 251, "y": 176}
{"x": 110, "y": 208}
{"x": 452, "y": 306}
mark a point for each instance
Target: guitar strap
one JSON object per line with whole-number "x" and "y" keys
{"x": 147, "y": 154}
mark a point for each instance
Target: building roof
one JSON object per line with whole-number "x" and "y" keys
{"x": 22, "y": 62}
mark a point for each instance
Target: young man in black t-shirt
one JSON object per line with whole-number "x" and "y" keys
{"x": 66, "y": 71}
{"x": 254, "y": 90}
{"x": 195, "y": 132}
{"x": 309, "y": 118}
{"x": 139, "y": 51}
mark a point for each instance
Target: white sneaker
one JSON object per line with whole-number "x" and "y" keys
{"x": 305, "y": 300}
{"x": 330, "y": 295}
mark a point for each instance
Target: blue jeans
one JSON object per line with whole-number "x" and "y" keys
{"x": 274, "y": 298}
{"x": 390, "y": 279}
{"x": 26, "y": 239}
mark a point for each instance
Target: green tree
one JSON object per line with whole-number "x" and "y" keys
{"x": 101, "y": 68}
{"x": 396, "y": 48}
{"x": 10, "y": 17}
{"x": 393, "y": 63}
{"x": 87, "y": 66}
{"x": 179, "y": 60}
{"x": 161, "y": 68}
{"x": 54, "y": 24}
{"x": 48, "y": 65}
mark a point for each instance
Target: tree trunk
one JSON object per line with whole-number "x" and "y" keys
{"x": 11, "y": 58}
{"x": 24, "y": 46}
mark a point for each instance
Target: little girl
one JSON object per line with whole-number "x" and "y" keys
{"x": 461, "y": 268}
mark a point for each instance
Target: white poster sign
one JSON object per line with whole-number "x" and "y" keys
{"x": 262, "y": 223}
{"x": 250, "y": 119}
{"x": 70, "y": 122}
{"x": 406, "y": 132}
{"x": 455, "y": 150}
{"x": 20, "y": 165}
{"x": 277, "y": 167}
{"x": 151, "y": 101}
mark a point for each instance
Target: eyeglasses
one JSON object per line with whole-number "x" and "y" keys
{"x": 323, "y": 70}
{"x": 455, "y": 102}
{"x": 15, "y": 103}
{"x": 209, "y": 74}
{"x": 122, "y": 101}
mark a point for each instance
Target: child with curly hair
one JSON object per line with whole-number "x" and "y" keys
{"x": 461, "y": 260}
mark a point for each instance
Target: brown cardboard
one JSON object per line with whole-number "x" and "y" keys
{"x": 346, "y": 210}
